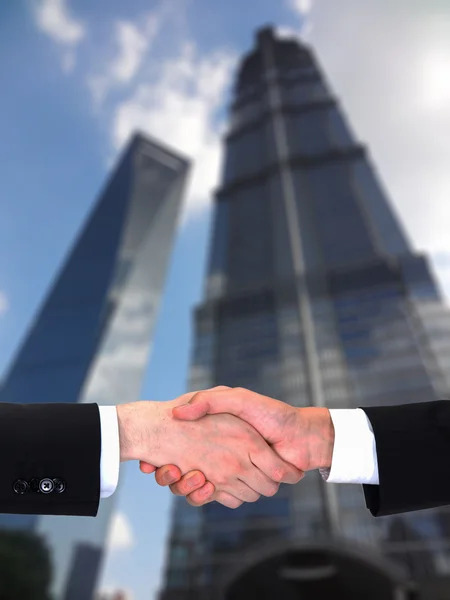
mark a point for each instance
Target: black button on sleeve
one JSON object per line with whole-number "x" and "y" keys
{"x": 60, "y": 485}
{"x": 20, "y": 486}
{"x": 46, "y": 486}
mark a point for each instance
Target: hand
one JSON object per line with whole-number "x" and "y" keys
{"x": 303, "y": 437}
{"x": 230, "y": 453}
{"x": 170, "y": 474}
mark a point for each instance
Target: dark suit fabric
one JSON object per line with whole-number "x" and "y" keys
{"x": 413, "y": 451}
{"x": 50, "y": 442}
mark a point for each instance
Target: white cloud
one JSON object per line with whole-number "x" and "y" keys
{"x": 434, "y": 74}
{"x": 286, "y": 32}
{"x": 53, "y": 18}
{"x": 179, "y": 104}
{"x": 388, "y": 63}
{"x": 441, "y": 263}
{"x": 133, "y": 42}
{"x": 302, "y": 9}
{"x": 120, "y": 535}
{"x": 301, "y": 6}
{"x": 4, "y": 303}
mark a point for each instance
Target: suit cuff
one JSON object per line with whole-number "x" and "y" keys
{"x": 354, "y": 453}
{"x": 110, "y": 453}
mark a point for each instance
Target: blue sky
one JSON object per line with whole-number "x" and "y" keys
{"x": 77, "y": 77}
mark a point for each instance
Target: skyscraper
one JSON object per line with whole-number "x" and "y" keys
{"x": 90, "y": 340}
{"x": 314, "y": 296}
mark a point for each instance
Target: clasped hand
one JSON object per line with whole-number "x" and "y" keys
{"x": 232, "y": 445}
{"x": 232, "y": 462}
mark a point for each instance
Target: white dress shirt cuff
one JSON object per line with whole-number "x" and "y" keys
{"x": 110, "y": 453}
{"x": 354, "y": 453}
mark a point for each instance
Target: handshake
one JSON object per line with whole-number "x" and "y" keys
{"x": 225, "y": 444}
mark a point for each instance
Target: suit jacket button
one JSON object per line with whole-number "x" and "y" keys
{"x": 20, "y": 486}
{"x": 46, "y": 486}
{"x": 34, "y": 485}
{"x": 60, "y": 485}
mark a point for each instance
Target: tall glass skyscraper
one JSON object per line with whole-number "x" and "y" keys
{"x": 313, "y": 296}
{"x": 90, "y": 340}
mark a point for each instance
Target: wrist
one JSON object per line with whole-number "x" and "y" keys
{"x": 142, "y": 428}
{"x": 126, "y": 419}
{"x": 318, "y": 427}
{"x": 131, "y": 423}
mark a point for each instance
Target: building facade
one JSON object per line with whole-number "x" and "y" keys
{"x": 90, "y": 340}
{"x": 313, "y": 296}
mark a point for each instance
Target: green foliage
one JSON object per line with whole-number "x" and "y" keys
{"x": 25, "y": 567}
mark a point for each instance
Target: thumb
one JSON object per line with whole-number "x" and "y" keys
{"x": 192, "y": 411}
{"x": 196, "y": 407}
{"x": 261, "y": 412}
{"x": 213, "y": 402}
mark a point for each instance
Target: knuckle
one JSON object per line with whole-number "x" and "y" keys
{"x": 278, "y": 474}
{"x": 197, "y": 499}
{"x": 228, "y": 500}
{"x": 240, "y": 390}
{"x": 193, "y": 502}
{"x": 200, "y": 395}
{"x": 220, "y": 480}
{"x": 272, "y": 490}
{"x": 176, "y": 490}
{"x": 247, "y": 494}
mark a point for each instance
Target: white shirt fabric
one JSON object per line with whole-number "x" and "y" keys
{"x": 110, "y": 453}
{"x": 354, "y": 453}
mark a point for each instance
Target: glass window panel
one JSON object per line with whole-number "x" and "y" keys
{"x": 379, "y": 211}
{"x": 59, "y": 383}
{"x": 357, "y": 526}
{"x": 303, "y": 93}
{"x": 219, "y": 238}
{"x": 276, "y": 506}
{"x": 177, "y": 578}
{"x": 247, "y": 154}
{"x": 245, "y": 114}
{"x": 339, "y": 130}
{"x": 283, "y": 265}
{"x": 308, "y": 132}
{"x": 250, "y": 256}
{"x": 62, "y": 334}
{"x": 339, "y": 221}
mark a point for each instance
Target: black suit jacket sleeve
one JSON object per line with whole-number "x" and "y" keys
{"x": 50, "y": 459}
{"x": 413, "y": 451}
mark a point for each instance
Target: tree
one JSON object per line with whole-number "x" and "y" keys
{"x": 25, "y": 566}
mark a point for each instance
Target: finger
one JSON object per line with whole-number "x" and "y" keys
{"x": 167, "y": 475}
{"x": 212, "y": 402}
{"x": 203, "y": 495}
{"x": 190, "y": 482}
{"x": 274, "y": 467}
{"x": 259, "y": 482}
{"x": 242, "y": 491}
{"x": 227, "y": 500}
{"x": 146, "y": 467}
{"x": 221, "y": 497}
{"x": 189, "y": 395}
{"x": 238, "y": 490}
